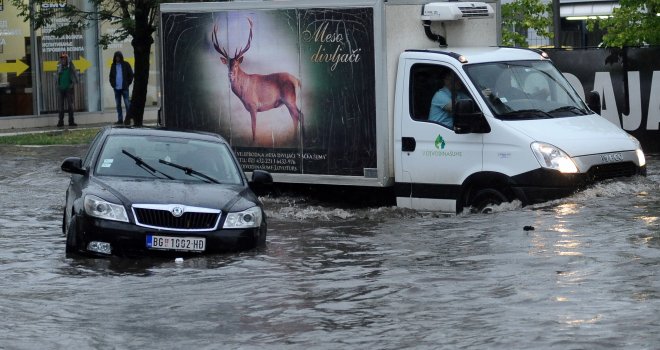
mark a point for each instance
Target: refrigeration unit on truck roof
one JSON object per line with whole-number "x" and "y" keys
{"x": 452, "y": 11}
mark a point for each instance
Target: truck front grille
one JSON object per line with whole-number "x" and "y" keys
{"x": 612, "y": 170}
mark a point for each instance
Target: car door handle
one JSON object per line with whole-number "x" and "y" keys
{"x": 408, "y": 144}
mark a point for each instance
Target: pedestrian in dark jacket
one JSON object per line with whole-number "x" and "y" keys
{"x": 67, "y": 77}
{"x": 121, "y": 77}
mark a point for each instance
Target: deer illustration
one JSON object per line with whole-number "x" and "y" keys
{"x": 259, "y": 92}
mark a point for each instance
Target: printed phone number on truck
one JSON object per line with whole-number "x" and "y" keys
{"x": 266, "y": 161}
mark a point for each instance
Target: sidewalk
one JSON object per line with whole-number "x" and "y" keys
{"x": 48, "y": 122}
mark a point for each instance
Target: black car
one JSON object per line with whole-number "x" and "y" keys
{"x": 153, "y": 191}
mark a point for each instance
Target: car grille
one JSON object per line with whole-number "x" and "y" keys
{"x": 189, "y": 221}
{"x": 613, "y": 170}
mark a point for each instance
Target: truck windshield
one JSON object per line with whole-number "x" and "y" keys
{"x": 520, "y": 90}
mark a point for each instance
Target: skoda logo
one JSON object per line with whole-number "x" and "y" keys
{"x": 177, "y": 211}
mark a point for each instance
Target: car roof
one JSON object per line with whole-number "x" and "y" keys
{"x": 163, "y": 131}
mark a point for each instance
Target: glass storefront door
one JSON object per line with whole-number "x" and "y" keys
{"x": 16, "y": 90}
{"x": 28, "y": 64}
{"x": 82, "y": 50}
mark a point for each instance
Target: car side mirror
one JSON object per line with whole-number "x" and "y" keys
{"x": 593, "y": 101}
{"x": 468, "y": 118}
{"x": 261, "y": 182}
{"x": 262, "y": 177}
{"x": 73, "y": 165}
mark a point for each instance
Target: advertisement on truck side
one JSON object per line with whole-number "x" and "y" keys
{"x": 292, "y": 90}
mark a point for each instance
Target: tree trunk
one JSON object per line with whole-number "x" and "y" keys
{"x": 141, "y": 43}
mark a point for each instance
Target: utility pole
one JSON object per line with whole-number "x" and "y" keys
{"x": 556, "y": 21}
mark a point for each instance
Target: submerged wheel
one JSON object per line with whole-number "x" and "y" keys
{"x": 261, "y": 240}
{"x": 484, "y": 201}
{"x": 64, "y": 222}
{"x": 71, "y": 245}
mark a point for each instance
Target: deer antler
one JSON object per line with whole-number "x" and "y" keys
{"x": 214, "y": 39}
{"x": 240, "y": 53}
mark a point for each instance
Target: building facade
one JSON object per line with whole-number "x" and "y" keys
{"x": 28, "y": 63}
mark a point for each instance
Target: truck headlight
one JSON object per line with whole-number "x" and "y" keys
{"x": 552, "y": 157}
{"x": 640, "y": 157}
{"x": 102, "y": 209}
{"x": 640, "y": 154}
{"x": 245, "y": 219}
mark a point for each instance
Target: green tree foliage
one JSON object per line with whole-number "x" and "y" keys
{"x": 520, "y": 15}
{"x": 132, "y": 18}
{"x": 635, "y": 23}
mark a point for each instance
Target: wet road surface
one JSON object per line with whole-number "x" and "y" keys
{"x": 586, "y": 277}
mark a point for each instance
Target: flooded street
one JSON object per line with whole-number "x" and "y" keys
{"x": 586, "y": 277}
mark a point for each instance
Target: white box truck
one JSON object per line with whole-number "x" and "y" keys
{"x": 410, "y": 96}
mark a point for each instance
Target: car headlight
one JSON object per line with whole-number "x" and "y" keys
{"x": 640, "y": 154}
{"x": 245, "y": 219}
{"x": 102, "y": 209}
{"x": 552, "y": 157}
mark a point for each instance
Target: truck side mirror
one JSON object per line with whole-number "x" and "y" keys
{"x": 593, "y": 101}
{"x": 468, "y": 118}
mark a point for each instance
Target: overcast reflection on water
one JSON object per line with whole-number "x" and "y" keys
{"x": 586, "y": 276}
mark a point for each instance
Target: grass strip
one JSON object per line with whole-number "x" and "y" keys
{"x": 55, "y": 137}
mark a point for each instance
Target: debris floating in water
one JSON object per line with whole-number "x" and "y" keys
{"x": 528, "y": 228}
{"x": 178, "y": 260}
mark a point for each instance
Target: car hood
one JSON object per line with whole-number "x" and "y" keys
{"x": 137, "y": 191}
{"x": 577, "y": 136}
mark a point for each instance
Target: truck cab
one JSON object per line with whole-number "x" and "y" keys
{"x": 519, "y": 131}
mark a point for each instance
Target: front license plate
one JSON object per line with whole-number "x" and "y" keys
{"x": 188, "y": 244}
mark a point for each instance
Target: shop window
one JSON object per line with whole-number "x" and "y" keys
{"x": 15, "y": 63}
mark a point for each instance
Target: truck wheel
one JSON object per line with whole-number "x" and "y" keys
{"x": 71, "y": 245}
{"x": 486, "y": 199}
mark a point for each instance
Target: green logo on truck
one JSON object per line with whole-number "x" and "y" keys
{"x": 440, "y": 150}
{"x": 439, "y": 142}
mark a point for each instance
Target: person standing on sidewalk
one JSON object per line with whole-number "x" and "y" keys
{"x": 66, "y": 78}
{"x": 121, "y": 77}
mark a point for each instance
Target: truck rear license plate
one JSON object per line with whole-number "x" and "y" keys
{"x": 190, "y": 244}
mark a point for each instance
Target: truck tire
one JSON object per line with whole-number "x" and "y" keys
{"x": 485, "y": 199}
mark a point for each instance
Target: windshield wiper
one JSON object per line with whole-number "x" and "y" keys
{"x": 142, "y": 164}
{"x": 530, "y": 112}
{"x": 189, "y": 171}
{"x": 569, "y": 108}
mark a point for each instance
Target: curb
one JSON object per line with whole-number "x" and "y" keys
{"x": 48, "y": 123}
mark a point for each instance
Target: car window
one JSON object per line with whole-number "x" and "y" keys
{"x": 92, "y": 148}
{"x": 209, "y": 158}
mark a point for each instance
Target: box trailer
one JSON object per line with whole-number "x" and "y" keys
{"x": 400, "y": 94}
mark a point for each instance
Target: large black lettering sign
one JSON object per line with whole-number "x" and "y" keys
{"x": 628, "y": 81}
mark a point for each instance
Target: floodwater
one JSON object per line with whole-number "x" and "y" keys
{"x": 586, "y": 277}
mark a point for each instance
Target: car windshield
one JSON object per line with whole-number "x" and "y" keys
{"x": 167, "y": 158}
{"x": 526, "y": 90}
